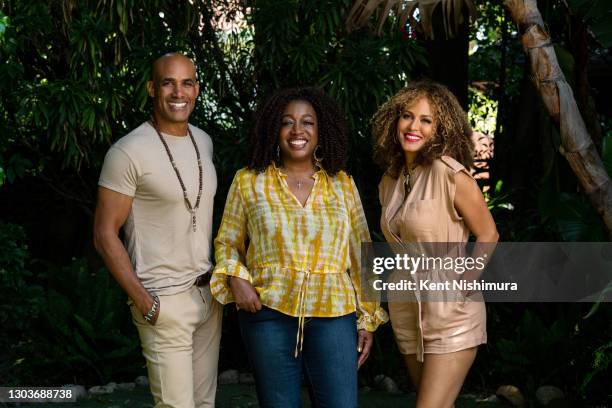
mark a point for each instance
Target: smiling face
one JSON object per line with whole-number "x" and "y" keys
{"x": 174, "y": 90}
{"x": 415, "y": 127}
{"x": 299, "y": 132}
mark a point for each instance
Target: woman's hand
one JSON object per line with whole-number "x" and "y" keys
{"x": 364, "y": 345}
{"x": 245, "y": 295}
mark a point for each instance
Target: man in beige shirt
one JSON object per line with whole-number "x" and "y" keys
{"x": 158, "y": 183}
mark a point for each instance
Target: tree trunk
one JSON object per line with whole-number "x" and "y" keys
{"x": 576, "y": 144}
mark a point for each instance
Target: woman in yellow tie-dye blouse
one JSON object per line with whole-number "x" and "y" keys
{"x": 288, "y": 255}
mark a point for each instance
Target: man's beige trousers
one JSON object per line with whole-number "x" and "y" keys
{"x": 182, "y": 349}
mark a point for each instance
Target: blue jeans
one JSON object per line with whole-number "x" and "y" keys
{"x": 328, "y": 359}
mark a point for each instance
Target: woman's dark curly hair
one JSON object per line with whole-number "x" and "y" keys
{"x": 451, "y": 129}
{"x": 332, "y": 130}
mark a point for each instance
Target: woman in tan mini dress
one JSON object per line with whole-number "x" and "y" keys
{"x": 427, "y": 195}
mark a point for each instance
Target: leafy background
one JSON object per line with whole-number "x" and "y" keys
{"x": 72, "y": 81}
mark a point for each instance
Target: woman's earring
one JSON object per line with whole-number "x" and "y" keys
{"x": 278, "y": 154}
{"x": 317, "y": 159}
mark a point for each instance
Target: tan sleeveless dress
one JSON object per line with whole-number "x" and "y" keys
{"x": 428, "y": 215}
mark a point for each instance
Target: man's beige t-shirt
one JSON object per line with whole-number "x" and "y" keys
{"x": 166, "y": 253}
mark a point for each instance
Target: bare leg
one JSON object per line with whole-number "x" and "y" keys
{"x": 442, "y": 377}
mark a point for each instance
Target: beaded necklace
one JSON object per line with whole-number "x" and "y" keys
{"x": 192, "y": 209}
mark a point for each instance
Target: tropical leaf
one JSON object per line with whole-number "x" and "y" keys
{"x": 4, "y": 21}
{"x": 605, "y": 293}
{"x": 419, "y": 13}
{"x": 597, "y": 14}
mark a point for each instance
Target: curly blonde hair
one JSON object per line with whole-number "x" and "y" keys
{"x": 451, "y": 129}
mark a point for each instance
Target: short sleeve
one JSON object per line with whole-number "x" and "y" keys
{"x": 119, "y": 172}
{"x": 452, "y": 169}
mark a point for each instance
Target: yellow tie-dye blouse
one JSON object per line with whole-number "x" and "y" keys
{"x": 297, "y": 257}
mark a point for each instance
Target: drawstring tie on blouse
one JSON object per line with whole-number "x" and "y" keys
{"x": 299, "y": 340}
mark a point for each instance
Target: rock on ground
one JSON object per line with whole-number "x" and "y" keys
{"x": 228, "y": 377}
{"x": 101, "y": 389}
{"x": 490, "y": 398}
{"x": 142, "y": 381}
{"x": 126, "y": 386}
{"x": 78, "y": 391}
{"x": 246, "y": 378}
{"x": 511, "y": 394}
{"x": 386, "y": 384}
{"x": 548, "y": 393}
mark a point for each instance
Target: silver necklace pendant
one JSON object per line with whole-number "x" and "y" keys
{"x": 299, "y": 185}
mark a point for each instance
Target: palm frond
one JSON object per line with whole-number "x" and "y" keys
{"x": 452, "y": 12}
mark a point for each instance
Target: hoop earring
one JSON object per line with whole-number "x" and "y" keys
{"x": 317, "y": 160}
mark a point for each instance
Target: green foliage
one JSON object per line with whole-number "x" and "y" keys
{"x": 602, "y": 361}
{"x": 16, "y": 167}
{"x": 62, "y": 324}
{"x": 22, "y": 301}
{"x": 497, "y": 199}
{"x": 87, "y": 327}
{"x": 597, "y": 15}
{"x": 532, "y": 349}
{"x": 482, "y": 111}
{"x": 550, "y": 344}
{"x": 562, "y": 212}
{"x": 76, "y": 73}
{"x": 73, "y": 81}
{"x": 493, "y": 45}
{"x": 570, "y": 214}
{"x": 4, "y": 22}
{"x": 74, "y": 76}
{"x": 596, "y": 370}
{"x": 305, "y": 43}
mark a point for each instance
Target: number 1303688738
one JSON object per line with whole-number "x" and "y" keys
{"x": 36, "y": 394}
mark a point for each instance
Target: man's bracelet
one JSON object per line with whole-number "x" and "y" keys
{"x": 149, "y": 316}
